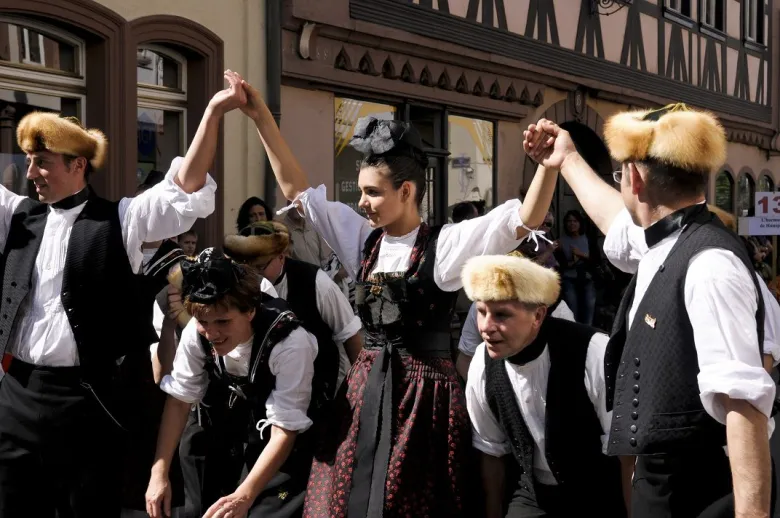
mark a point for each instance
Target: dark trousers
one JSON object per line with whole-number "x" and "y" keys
{"x": 696, "y": 485}
{"x": 56, "y": 447}
{"x": 546, "y": 503}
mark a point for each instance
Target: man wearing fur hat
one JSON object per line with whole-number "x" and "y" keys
{"x": 683, "y": 366}
{"x": 69, "y": 267}
{"x": 536, "y": 391}
{"x": 313, "y": 296}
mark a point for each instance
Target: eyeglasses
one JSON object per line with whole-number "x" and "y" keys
{"x": 617, "y": 176}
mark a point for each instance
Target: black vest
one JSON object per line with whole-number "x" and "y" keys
{"x": 651, "y": 371}
{"x": 98, "y": 286}
{"x": 233, "y": 405}
{"x": 302, "y": 299}
{"x": 573, "y": 448}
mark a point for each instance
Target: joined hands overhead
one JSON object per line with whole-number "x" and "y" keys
{"x": 547, "y": 144}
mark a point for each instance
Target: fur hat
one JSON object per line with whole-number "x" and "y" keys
{"x": 258, "y": 243}
{"x": 674, "y": 135}
{"x": 503, "y": 277}
{"x": 41, "y": 131}
{"x": 725, "y": 218}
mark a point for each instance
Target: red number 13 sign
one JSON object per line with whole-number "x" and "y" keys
{"x": 768, "y": 205}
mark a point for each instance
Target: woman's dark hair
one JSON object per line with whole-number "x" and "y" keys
{"x": 242, "y": 221}
{"x": 463, "y": 211}
{"x": 576, "y": 215}
{"x": 396, "y": 146}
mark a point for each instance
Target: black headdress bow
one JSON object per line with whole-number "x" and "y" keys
{"x": 208, "y": 277}
{"x": 378, "y": 137}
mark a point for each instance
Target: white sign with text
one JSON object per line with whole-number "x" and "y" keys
{"x": 768, "y": 205}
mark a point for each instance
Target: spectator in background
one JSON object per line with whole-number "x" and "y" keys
{"x": 305, "y": 243}
{"x": 579, "y": 291}
{"x": 189, "y": 243}
{"x": 463, "y": 211}
{"x": 253, "y": 210}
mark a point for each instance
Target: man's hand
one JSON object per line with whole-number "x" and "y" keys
{"x": 158, "y": 496}
{"x": 255, "y": 105}
{"x": 232, "y": 506}
{"x": 547, "y": 144}
{"x": 232, "y": 97}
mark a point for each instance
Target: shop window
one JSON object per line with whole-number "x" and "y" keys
{"x": 471, "y": 164}
{"x": 746, "y": 193}
{"x": 712, "y": 14}
{"x": 347, "y": 161}
{"x": 162, "y": 108}
{"x": 724, "y": 191}
{"x": 42, "y": 69}
{"x": 766, "y": 184}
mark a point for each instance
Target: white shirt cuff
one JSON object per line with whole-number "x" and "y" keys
{"x": 291, "y": 420}
{"x": 173, "y": 388}
{"x": 490, "y": 448}
{"x": 737, "y": 380}
{"x": 198, "y": 204}
{"x": 349, "y": 330}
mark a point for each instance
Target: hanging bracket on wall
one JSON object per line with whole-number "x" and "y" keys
{"x": 607, "y": 7}
{"x": 306, "y": 44}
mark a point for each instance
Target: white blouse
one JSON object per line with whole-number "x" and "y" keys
{"x": 42, "y": 336}
{"x": 529, "y": 382}
{"x": 291, "y": 361}
{"x": 721, "y": 302}
{"x": 346, "y": 232}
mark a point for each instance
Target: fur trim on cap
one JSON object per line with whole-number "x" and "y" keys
{"x": 675, "y": 135}
{"x": 39, "y": 131}
{"x": 265, "y": 240}
{"x": 727, "y": 219}
{"x": 501, "y": 277}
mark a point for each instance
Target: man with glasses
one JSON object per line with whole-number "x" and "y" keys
{"x": 683, "y": 367}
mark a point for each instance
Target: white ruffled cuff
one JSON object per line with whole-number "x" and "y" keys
{"x": 736, "y": 380}
{"x": 198, "y": 204}
{"x": 490, "y": 448}
{"x": 291, "y": 420}
{"x": 170, "y": 386}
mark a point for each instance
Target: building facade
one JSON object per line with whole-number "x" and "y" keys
{"x": 472, "y": 74}
{"x": 143, "y": 72}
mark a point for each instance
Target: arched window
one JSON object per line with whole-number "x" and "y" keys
{"x": 724, "y": 191}
{"x": 746, "y": 193}
{"x": 765, "y": 183}
{"x": 41, "y": 69}
{"x": 162, "y": 101}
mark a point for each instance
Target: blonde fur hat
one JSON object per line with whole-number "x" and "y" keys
{"x": 675, "y": 135}
{"x": 40, "y": 131}
{"x": 490, "y": 278}
{"x": 258, "y": 243}
{"x": 727, "y": 219}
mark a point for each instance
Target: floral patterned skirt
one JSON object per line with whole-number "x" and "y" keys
{"x": 430, "y": 447}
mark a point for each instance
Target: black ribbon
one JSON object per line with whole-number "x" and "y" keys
{"x": 387, "y": 137}
{"x": 374, "y": 440}
{"x": 74, "y": 200}
{"x": 533, "y": 350}
{"x": 665, "y": 227}
{"x": 209, "y": 277}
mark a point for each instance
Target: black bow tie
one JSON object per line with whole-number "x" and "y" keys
{"x": 533, "y": 350}
{"x": 73, "y": 200}
{"x": 665, "y": 227}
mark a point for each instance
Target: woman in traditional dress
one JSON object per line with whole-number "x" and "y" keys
{"x": 401, "y": 436}
{"x": 249, "y": 365}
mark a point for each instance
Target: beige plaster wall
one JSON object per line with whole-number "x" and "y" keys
{"x": 240, "y": 24}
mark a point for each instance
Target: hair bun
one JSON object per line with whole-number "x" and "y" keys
{"x": 379, "y": 137}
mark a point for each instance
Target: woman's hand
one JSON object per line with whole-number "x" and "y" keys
{"x": 158, "y": 496}
{"x": 547, "y": 144}
{"x": 232, "y": 97}
{"x": 232, "y": 506}
{"x": 255, "y": 105}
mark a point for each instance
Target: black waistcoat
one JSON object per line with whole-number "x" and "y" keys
{"x": 98, "y": 285}
{"x": 233, "y": 405}
{"x": 302, "y": 299}
{"x": 651, "y": 370}
{"x": 572, "y": 430}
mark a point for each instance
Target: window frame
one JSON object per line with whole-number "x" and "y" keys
{"x": 711, "y": 7}
{"x": 676, "y": 6}
{"x": 33, "y": 72}
{"x": 156, "y": 93}
{"x": 753, "y": 21}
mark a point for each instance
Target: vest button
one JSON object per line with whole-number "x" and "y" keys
{"x": 635, "y": 388}
{"x": 8, "y": 299}
{"x": 633, "y": 428}
{"x": 13, "y": 284}
{"x": 662, "y": 268}
{"x": 635, "y": 402}
{"x": 634, "y": 416}
{"x": 632, "y": 441}
{"x": 636, "y": 362}
{"x": 636, "y": 375}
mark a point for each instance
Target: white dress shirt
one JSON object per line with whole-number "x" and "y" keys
{"x": 42, "y": 336}
{"x": 291, "y": 361}
{"x": 346, "y": 232}
{"x": 721, "y": 302}
{"x": 335, "y": 312}
{"x": 529, "y": 382}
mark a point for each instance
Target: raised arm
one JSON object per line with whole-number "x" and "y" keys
{"x": 288, "y": 172}
{"x": 599, "y": 199}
